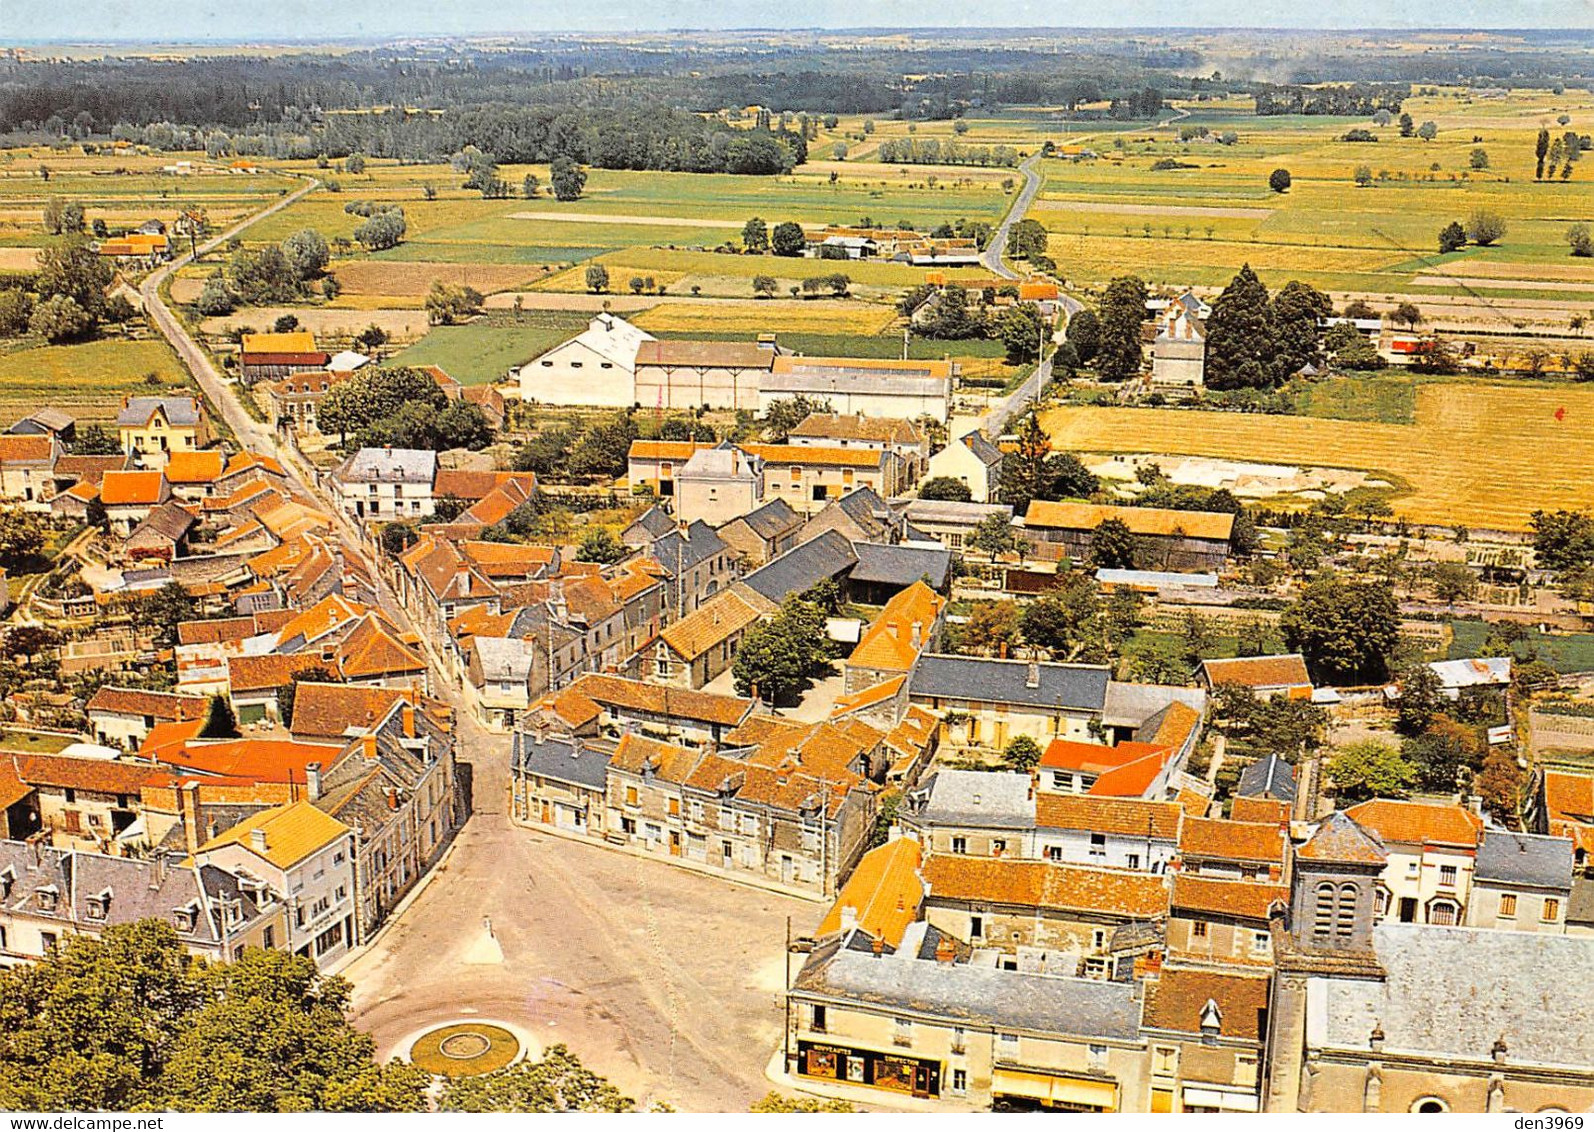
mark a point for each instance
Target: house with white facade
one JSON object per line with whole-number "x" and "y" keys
{"x": 596, "y": 367}
{"x": 385, "y": 484}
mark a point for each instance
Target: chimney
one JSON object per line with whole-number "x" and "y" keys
{"x": 462, "y": 578}
{"x": 849, "y": 917}
{"x": 878, "y": 947}
{"x": 257, "y": 840}
{"x": 1032, "y": 677}
{"x": 189, "y": 804}
{"x": 392, "y": 798}
{"x": 368, "y": 744}
{"x": 312, "y": 780}
{"x": 407, "y": 717}
{"x": 918, "y": 633}
{"x": 945, "y": 951}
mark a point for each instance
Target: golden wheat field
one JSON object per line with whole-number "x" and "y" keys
{"x": 1479, "y": 455}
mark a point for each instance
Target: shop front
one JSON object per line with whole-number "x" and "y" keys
{"x": 1032, "y": 1089}
{"x": 1216, "y": 1098}
{"x": 911, "y": 1076}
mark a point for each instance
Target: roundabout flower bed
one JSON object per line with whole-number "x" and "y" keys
{"x": 465, "y": 1049}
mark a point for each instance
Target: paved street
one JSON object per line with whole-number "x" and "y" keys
{"x": 667, "y": 982}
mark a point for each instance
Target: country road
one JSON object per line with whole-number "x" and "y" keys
{"x": 251, "y": 433}
{"x": 991, "y": 259}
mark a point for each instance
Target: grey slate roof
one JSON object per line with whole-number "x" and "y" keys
{"x": 1524, "y": 859}
{"x": 828, "y": 556}
{"x": 820, "y": 380}
{"x": 1269, "y": 777}
{"x": 974, "y": 798}
{"x": 1449, "y": 993}
{"x": 1081, "y": 687}
{"x": 901, "y": 565}
{"x": 654, "y": 523}
{"x": 952, "y": 511}
{"x": 178, "y": 410}
{"x": 389, "y": 465}
{"x": 1580, "y": 909}
{"x": 1086, "y": 1008}
{"x": 773, "y": 519}
{"x": 1130, "y": 705}
{"x": 561, "y": 759}
{"x": 984, "y": 451}
{"x": 505, "y": 658}
{"x": 678, "y": 552}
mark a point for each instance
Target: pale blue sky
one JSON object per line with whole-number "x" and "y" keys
{"x": 192, "y": 20}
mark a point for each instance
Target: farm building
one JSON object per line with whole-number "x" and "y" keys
{"x": 684, "y": 374}
{"x": 267, "y": 357}
{"x": 1165, "y": 539}
{"x": 873, "y": 387}
{"x": 596, "y": 367}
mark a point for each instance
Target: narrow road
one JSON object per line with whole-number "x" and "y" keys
{"x": 250, "y": 432}
{"x": 992, "y": 257}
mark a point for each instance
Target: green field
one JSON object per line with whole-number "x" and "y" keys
{"x": 1564, "y": 652}
{"x": 656, "y": 212}
{"x": 1195, "y": 226}
{"x": 87, "y": 380}
{"x": 484, "y": 351}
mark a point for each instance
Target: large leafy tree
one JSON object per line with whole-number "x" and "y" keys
{"x": 1346, "y": 630}
{"x": 1034, "y": 471}
{"x": 779, "y": 657}
{"x": 1371, "y": 769}
{"x": 1084, "y": 335}
{"x": 307, "y": 252}
{"x": 374, "y": 394}
{"x": 558, "y": 1082}
{"x": 1296, "y": 338}
{"x": 1063, "y": 619}
{"x": 130, "y": 1021}
{"x": 1563, "y": 540}
{"x": 1112, "y": 546}
{"x": 1119, "y": 354}
{"x": 1240, "y": 346}
{"x": 992, "y": 628}
{"x": 70, "y": 267}
{"x": 945, "y": 488}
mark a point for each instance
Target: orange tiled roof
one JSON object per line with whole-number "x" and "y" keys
{"x": 1569, "y": 805}
{"x": 867, "y": 697}
{"x": 1041, "y": 884}
{"x": 662, "y": 700}
{"x": 1140, "y": 520}
{"x": 333, "y": 710}
{"x": 664, "y": 449}
{"x": 718, "y": 619}
{"x": 1177, "y": 998}
{"x": 1231, "y": 840}
{"x": 856, "y": 426}
{"x": 1259, "y": 810}
{"x": 1419, "y": 823}
{"x": 98, "y": 776}
{"x": 1108, "y": 815}
{"x": 1070, "y": 754}
{"x": 372, "y": 650}
{"x": 20, "y": 448}
{"x": 782, "y": 455}
{"x": 1132, "y": 779}
{"x": 159, "y": 705}
{"x": 131, "y": 488}
{"x": 1241, "y": 899}
{"x": 259, "y": 760}
{"x": 260, "y": 673}
{"x": 1286, "y": 671}
{"x": 884, "y": 892}
{"x": 195, "y": 467}
{"x": 887, "y": 644}
{"x": 666, "y": 761}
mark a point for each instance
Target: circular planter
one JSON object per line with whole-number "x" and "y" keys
{"x": 465, "y": 1049}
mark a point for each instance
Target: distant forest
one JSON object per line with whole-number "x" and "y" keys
{"x": 643, "y": 105}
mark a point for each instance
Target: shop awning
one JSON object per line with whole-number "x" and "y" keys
{"x": 1052, "y": 1089}
{"x": 1219, "y": 1098}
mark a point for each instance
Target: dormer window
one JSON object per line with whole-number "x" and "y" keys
{"x": 8, "y": 877}
{"x": 99, "y": 905}
{"x": 186, "y": 917}
{"x": 48, "y": 897}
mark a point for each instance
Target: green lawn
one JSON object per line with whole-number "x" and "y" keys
{"x": 1392, "y": 400}
{"x": 34, "y": 743}
{"x": 88, "y": 379}
{"x": 484, "y": 351}
{"x": 1570, "y": 652}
